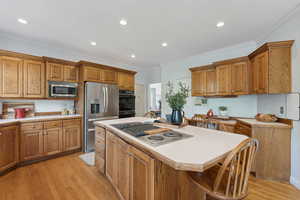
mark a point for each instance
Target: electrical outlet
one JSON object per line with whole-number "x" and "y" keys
{"x": 281, "y": 110}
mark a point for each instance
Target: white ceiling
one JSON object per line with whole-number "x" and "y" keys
{"x": 188, "y": 26}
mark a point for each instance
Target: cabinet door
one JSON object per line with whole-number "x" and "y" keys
{"x": 261, "y": 73}
{"x": 34, "y": 79}
{"x": 52, "y": 141}
{"x": 71, "y": 138}
{"x": 141, "y": 175}
{"x": 211, "y": 88}
{"x": 240, "y": 78}
{"x": 224, "y": 80}
{"x": 109, "y": 76}
{"x": 198, "y": 83}
{"x": 11, "y": 76}
{"x": 92, "y": 74}
{"x": 123, "y": 169}
{"x": 111, "y": 158}
{"x": 55, "y": 72}
{"x": 71, "y": 73}
{"x": 32, "y": 144}
{"x": 126, "y": 81}
{"x": 9, "y": 147}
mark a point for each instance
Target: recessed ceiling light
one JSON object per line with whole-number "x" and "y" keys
{"x": 22, "y": 21}
{"x": 164, "y": 44}
{"x": 123, "y": 22}
{"x": 93, "y": 43}
{"x": 220, "y": 24}
{"x": 132, "y": 56}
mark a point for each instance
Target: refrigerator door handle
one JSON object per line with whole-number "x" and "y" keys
{"x": 104, "y": 99}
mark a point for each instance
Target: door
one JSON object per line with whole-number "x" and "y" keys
{"x": 123, "y": 169}
{"x": 111, "y": 158}
{"x": 34, "y": 79}
{"x": 240, "y": 78}
{"x": 140, "y": 108}
{"x": 52, "y": 141}
{"x": 111, "y": 100}
{"x": 71, "y": 73}
{"x": 198, "y": 83}
{"x": 210, "y": 84}
{"x": 9, "y": 147}
{"x": 11, "y": 76}
{"x": 32, "y": 144}
{"x": 108, "y": 76}
{"x": 72, "y": 138}
{"x": 141, "y": 175}
{"x": 261, "y": 73}
{"x": 224, "y": 80}
{"x": 55, "y": 72}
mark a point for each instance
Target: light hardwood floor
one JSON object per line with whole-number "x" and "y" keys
{"x": 68, "y": 178}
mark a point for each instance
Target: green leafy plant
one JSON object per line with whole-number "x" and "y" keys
{"x": 177, "y": 99}
{"x": 223, "y": 108}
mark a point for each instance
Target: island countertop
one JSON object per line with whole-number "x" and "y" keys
{"x": 206, "y": 148}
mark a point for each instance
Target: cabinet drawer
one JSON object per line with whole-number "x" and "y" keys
{"x": 71, "y": 122}
{"x": 53, "y": 124}
{"x": 32, "y": 126}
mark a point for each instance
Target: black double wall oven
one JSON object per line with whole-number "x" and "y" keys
{"x": 126, "y": 104}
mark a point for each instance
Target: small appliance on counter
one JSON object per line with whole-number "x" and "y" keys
{"x": 16, "y": 110}
{"x": 21, "y": 112}
{"x": 126, "y": 103}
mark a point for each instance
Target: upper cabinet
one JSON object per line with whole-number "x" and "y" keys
{"x": 61, "y": 70}
{"x": 271, "y": 68}
{"x": 11, "y": 69}
{"x": 34, "y": 79}
{"x": 266, "y": 71}
{"x": 126, "y": 81}
{"x": 94, "y": 72}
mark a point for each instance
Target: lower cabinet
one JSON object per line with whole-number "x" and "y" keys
{"x": 9, "y": 147}
{"x": 130, "y": 170}
{"x": 40, "y": 139}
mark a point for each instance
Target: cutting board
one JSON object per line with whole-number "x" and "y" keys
{"x": 156, "y": 131}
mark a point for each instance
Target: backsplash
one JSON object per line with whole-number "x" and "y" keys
{"x": 46, "y": 105}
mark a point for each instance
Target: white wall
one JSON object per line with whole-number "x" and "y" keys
{"x": 287, "y": 30}
{"x": 243, "y": 106}
{"x": 28, "y": 46}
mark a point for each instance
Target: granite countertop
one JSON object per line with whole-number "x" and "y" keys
{"x": 197, "y": 153}
{"x": 39, "y": 118}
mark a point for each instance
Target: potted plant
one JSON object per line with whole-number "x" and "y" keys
{"x": 177, "y": 100}
{"x": 223, "y": 110}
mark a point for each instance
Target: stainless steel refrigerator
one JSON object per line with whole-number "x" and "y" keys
{"x": 101, "y": 103}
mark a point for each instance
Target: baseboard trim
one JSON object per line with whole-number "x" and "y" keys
{"x": 295, "y": 182}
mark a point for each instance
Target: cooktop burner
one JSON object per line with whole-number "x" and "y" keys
{"x": 137, "y": 129}
{"x": 155, "y": 137}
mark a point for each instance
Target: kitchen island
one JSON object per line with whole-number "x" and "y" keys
{"x": 141, "y": 171}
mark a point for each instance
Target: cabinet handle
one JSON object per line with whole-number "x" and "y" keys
{"x": 0, "y": 133}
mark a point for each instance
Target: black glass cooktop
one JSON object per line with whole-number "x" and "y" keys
{"x": 136, "y": 129}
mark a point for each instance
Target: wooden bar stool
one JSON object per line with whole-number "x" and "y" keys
{"x": 229, "y": 181}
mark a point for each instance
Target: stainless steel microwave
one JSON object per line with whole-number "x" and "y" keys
{"x": 62, "y": 89}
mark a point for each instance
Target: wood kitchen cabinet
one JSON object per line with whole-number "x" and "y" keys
{"x": 273, "y": 158}
{"x": 11, "y": 78}
{"x": 91, "y": 74}
{"x": 125, "y": 81}
{"x": 198, "y": 83}
{"x": 32, "y": 141}
{"x": 71, "y": 134}
{"x": 210, "y": 83}
{"x": 52, "y": 141}
{"x": 9, "y": 147}
{"x": 34, "y": 79}
{"x": 130, "y": 171}
{"x": 271, "y": 68}
{"x": 223, "y": 79}
{"x": 100, "y": 149}
{"x": 109, "y": 76}
{"x": 55, "y": 72}
{"x": 71, "y": 73}
{"x": 240, "y": 78}
{"x": 141, "y": 175}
